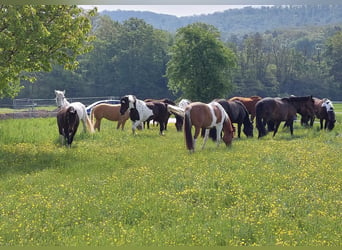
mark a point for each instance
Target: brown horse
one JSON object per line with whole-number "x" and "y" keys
{"x": 324, "y": 111}
{"x": 273, "y": 111}
{"x": 202, "y": 115}
{"x": 249, "y": 103}
{"x": 179, "y": 119}
{"x": 67, "y": 121}
{"x": 110, "y": 112}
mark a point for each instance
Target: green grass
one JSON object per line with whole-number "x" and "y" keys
{"x": 116, "y": 189}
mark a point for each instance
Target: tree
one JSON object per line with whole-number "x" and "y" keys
{"x": 140, "y": 61}
{"x": 334, "y": 53}
{"x": 33, "y": 38}
{"x": 200, "y": 64}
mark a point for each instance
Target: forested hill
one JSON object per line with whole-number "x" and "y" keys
{"x": 246, "y": 20}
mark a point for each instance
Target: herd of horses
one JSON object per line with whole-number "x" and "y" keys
{"x": 214, "y": 119}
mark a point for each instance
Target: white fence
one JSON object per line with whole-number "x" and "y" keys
{"x": 27, "y": 103}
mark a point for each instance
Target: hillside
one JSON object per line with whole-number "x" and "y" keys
{"x": 242, "y": 21}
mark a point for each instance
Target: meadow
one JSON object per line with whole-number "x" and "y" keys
{"x": 115, "y": 189}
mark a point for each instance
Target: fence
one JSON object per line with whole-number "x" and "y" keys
{"x": 30, "y": 104}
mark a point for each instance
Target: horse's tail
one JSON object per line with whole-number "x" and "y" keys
{"x": 89, "y": 123}
{"x": 259, "y": 124}
{"x": 187, "y": 131}
{"x": 92, "y": 115}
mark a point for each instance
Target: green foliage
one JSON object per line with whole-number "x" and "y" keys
{"x": 33, "y": 38}
{"x": 200, "y": 64}
{"x": 116, "y": 189}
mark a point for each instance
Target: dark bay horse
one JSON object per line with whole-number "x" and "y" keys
{"x": 238, "y": 113}
{"x": 110, "y": 112}
{"x": 179, "y": 119}
{"x": 205, "y": 116}
{"x": 275, "y": 110}
{"x": 141, "y": 111}
{"x": 324, "y": 111}
{"x": 67, "y": 121}
{"x": 249, "y": 103}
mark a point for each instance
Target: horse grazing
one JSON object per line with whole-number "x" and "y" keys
{"x": 179, "y": 119}
{"x": 238, "y": 113}
{"x": 110, "y": 112}
{"x": 206, "y": 116}
{"x": 67, "y": 121}
{"x": 141, "y": 111}
{"x": 249, "y": 103}
{"x": 79, "y": 107}
{"x": 324, "y": 111}
{"x": 273, "y": 111}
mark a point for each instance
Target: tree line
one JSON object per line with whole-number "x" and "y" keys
{"x": 133, "y": 57}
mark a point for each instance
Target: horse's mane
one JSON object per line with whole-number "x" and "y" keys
{"x": 300, "y": 98}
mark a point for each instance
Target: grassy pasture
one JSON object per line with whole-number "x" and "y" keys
{"x": 115, "y": 189}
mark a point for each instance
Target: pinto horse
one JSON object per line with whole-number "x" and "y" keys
{"x": 67, "y": 121}
{"x": 79, "y": 107}
{"x": 324, "y": 111}
{"x": 249, "y": 103}
{"x": 202, "y": 115}
{"x": 141, "y": 111}
{"x": 273, "y": 111}
{"x": 110, "y": 112}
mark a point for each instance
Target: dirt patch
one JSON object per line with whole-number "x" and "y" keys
{"x": 29, "y": 114}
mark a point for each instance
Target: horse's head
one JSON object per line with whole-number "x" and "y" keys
{"x": 60, "y": 98}
{"x": 127, "y": 102}
{"x": 228, "y": 131}
{"x": 331, "y": 120}
{"x": 179, "y": 123}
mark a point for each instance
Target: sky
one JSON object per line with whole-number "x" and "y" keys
{"x": 176, "y": 10}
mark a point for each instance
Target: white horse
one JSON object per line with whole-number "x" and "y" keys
{"x": 79, "y": 107}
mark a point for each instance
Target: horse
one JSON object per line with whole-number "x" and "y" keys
{"x": 110, "y": 112}
{"x": 179, "y": 119}
{"x": 238, "y": 113}
{"x": 273, "y": 111}
{"x": 141, "y": 111}
{"x": 61, "y": 102}
{"x": 324, "y": 111}
{"x": 202, "y": 115}
{"x": 249, "y": 103}
{"x": 67, "y": 121}
{"x": 183, "y": 103}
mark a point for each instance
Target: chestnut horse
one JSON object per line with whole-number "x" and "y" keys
{"x": 249, "y": 103}
{"x": 206, "y": 116}
{"x": 67, "y": 121}
{"x": 110, "y": 112}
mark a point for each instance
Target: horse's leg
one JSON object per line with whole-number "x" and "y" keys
{"x": 239, "y": 129}
{"x": 119, "y": 123}
{"x": 206, "y": 135}
{"x": 135, "y": 124}
{"x": 291, "y": 127}
{"x": 97, "y": 124}
{"x": 321, "y": 123}
{"x": 162, "y": 127}
{"x": 123, "y": 124}
{"x": 218, "y": 134}
{"x": 276, "y": 126}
